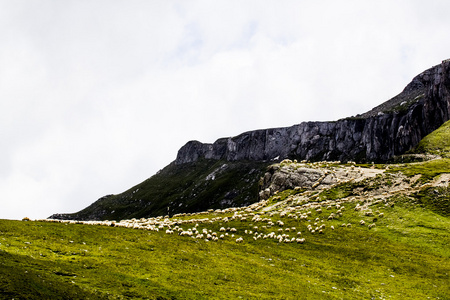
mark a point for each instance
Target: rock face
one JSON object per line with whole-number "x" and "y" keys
{"x": 291, "y": 175}
{"x": 389, "y": 129}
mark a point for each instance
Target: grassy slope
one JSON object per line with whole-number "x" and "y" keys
{"x": 406, "y": 255}
{"x": 183, "y": 188}
{"x": 438, "y": 142}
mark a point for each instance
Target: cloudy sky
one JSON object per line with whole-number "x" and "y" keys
{"x": 96, "y": 96}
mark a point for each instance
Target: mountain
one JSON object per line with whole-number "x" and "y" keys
{"x": 229, "y": 172}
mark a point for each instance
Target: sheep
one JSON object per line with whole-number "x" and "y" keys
{"x": 371, "y": 225}
{"x": 300, "y": 241}
{"x": 362, "y": 223}
{"x": 239, "y": 240}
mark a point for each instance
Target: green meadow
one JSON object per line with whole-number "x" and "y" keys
{"x": 406, "y": 255}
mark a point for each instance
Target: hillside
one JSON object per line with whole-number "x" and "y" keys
{"x": 381, "y": 234}
{"x": 405, "y": 256}
{"x": 227, "y": 173}
{"x": 323, "y": 231}
{"x": 190, "y": 187}
{"x": 437, "y": 143}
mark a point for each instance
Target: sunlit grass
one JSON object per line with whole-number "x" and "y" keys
{"x": 405, "y": 255}
{"x": 438, "y": 142}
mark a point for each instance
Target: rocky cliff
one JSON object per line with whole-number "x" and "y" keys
{"x": 389, "y": 129}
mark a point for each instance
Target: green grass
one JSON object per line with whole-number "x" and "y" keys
{"x": 436, "y": 199}
{"x": 437, "y": 142}
{"x": 428, "y": 169}
{"x": 405, "y": 256}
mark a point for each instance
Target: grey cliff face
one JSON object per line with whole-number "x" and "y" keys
{"x": 389, "y": 129}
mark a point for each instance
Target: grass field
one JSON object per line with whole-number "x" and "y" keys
{"x": 405, "y": 256}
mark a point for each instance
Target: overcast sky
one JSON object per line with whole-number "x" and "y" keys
{"x": 97, "y": 96}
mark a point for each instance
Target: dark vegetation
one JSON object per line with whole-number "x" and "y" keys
{"x": 191, "y": 187}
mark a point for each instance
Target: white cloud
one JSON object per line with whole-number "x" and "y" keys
{"x": 96, "y": 96}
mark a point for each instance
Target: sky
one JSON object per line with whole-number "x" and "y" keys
{"x": 97, "y": 96}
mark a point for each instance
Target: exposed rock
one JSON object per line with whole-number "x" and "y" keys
{"x": 280, "y": 177}
{"x": 389, "y": 129}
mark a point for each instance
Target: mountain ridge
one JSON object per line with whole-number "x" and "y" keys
{"x": 400, "y": 123}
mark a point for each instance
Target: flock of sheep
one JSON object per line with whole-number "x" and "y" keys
{"x": 262, "y": 220}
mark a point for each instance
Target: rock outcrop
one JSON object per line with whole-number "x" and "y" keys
{"x": 389, "y": 129}
{"x": 289, "y": 175}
